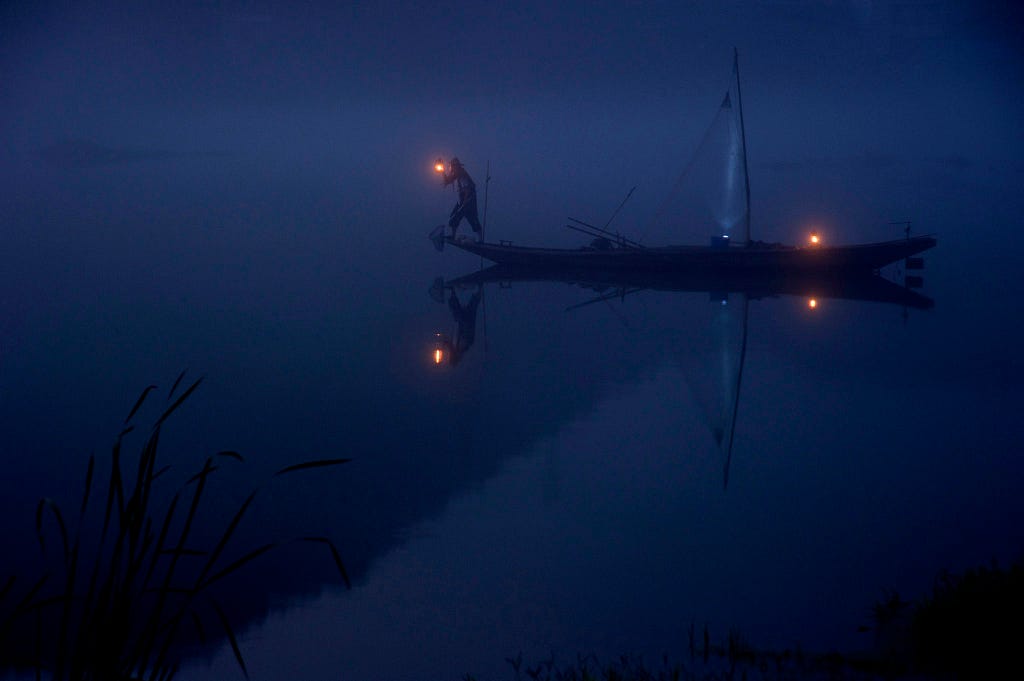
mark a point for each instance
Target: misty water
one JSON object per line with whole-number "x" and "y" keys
{"x": 559, "y": 489}
{"x": 243, "y": 192}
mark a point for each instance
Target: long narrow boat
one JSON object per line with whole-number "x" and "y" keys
{"x": 723, "y": 256}
{"x": 726, "y": 259}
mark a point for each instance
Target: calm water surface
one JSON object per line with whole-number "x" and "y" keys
{"x": 559, "y": 490}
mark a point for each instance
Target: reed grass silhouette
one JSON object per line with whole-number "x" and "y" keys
{"x": 114, "y": 605}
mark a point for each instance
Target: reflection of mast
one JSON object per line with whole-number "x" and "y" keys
{"x": 736, "y": 396}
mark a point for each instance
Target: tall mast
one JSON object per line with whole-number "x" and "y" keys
{"x": 743, "y": 139}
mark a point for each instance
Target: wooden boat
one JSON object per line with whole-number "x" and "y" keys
{"x": 754, "y": 257}
{"x": 726, "y": 254}
{"x": 732, "y": 268}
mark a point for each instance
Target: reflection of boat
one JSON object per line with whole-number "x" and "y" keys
{"x": 754, "y": 284}
{"x": 720, "y": 392}
{"x": 725, "y": 260}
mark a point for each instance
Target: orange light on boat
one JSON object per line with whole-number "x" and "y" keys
{"x": 812, "y": 303}
{"x": 438, "y": 355}
{"x": 815, "y": 239}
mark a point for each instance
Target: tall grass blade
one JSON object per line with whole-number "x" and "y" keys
{"x": 177, "y": 381}
{"x": 162, "y": 537}
{"x": 39, "y": 647}
{"x": 222, "y": 542}
{"x": 193, "y": 553}
{"x": 148, "y": 638}
{"x": 198, "y": 624}
{"x": 24, "y": 605}
{"x": 141, "y": 551}
{"x": 231, "y": 637}
{"x": 144, "y": 482}
{"x": 255, "y": 553}
{"x": 65, "y": 619}
{"x": 88, "y": 484}
{"x": 177, "y": 402}
{"x": 138, "y": 402}
{"x": 311, "y": 464}
{"x": 26, "y": 601}
{"x": 45, "y": 503}
{"x": 167, "y": 672}
{"x": 182, "y": 540}
{"x": 201, "y": 475}
{"x": 231, "y": 455}
{"x": 337, "y": 557}
{"x": 114, "y": 492}
{"x": 163, "y": 469}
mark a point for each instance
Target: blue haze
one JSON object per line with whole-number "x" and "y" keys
{"x": 243, "y": 189}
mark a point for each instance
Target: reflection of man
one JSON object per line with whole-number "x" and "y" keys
{"x": 466, "y": 206}
{"x": 465, "y": 320}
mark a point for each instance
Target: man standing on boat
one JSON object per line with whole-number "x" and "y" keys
{"x": 466, "y": 206}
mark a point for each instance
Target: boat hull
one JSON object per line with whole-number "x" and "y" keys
{"x": 730, "y": 259}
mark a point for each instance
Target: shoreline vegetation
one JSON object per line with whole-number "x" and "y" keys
{"x": 970, "y": 626}
{"x": 125, "y": 593}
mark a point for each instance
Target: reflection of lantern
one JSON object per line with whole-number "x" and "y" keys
{"x": 439, "y": 165}
{"x": 439, "y": 349}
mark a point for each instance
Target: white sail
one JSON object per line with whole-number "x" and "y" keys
{"x": 711, "y": 197}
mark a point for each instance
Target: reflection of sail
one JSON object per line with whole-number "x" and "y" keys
{"x": 714, "y": 370}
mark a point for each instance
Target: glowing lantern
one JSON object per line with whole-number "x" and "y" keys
{"x": 439, "y": 165}
{"x": 815, "y": 239}
{"x": 438, "y": 355}
{"x": 812, "y": 303}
